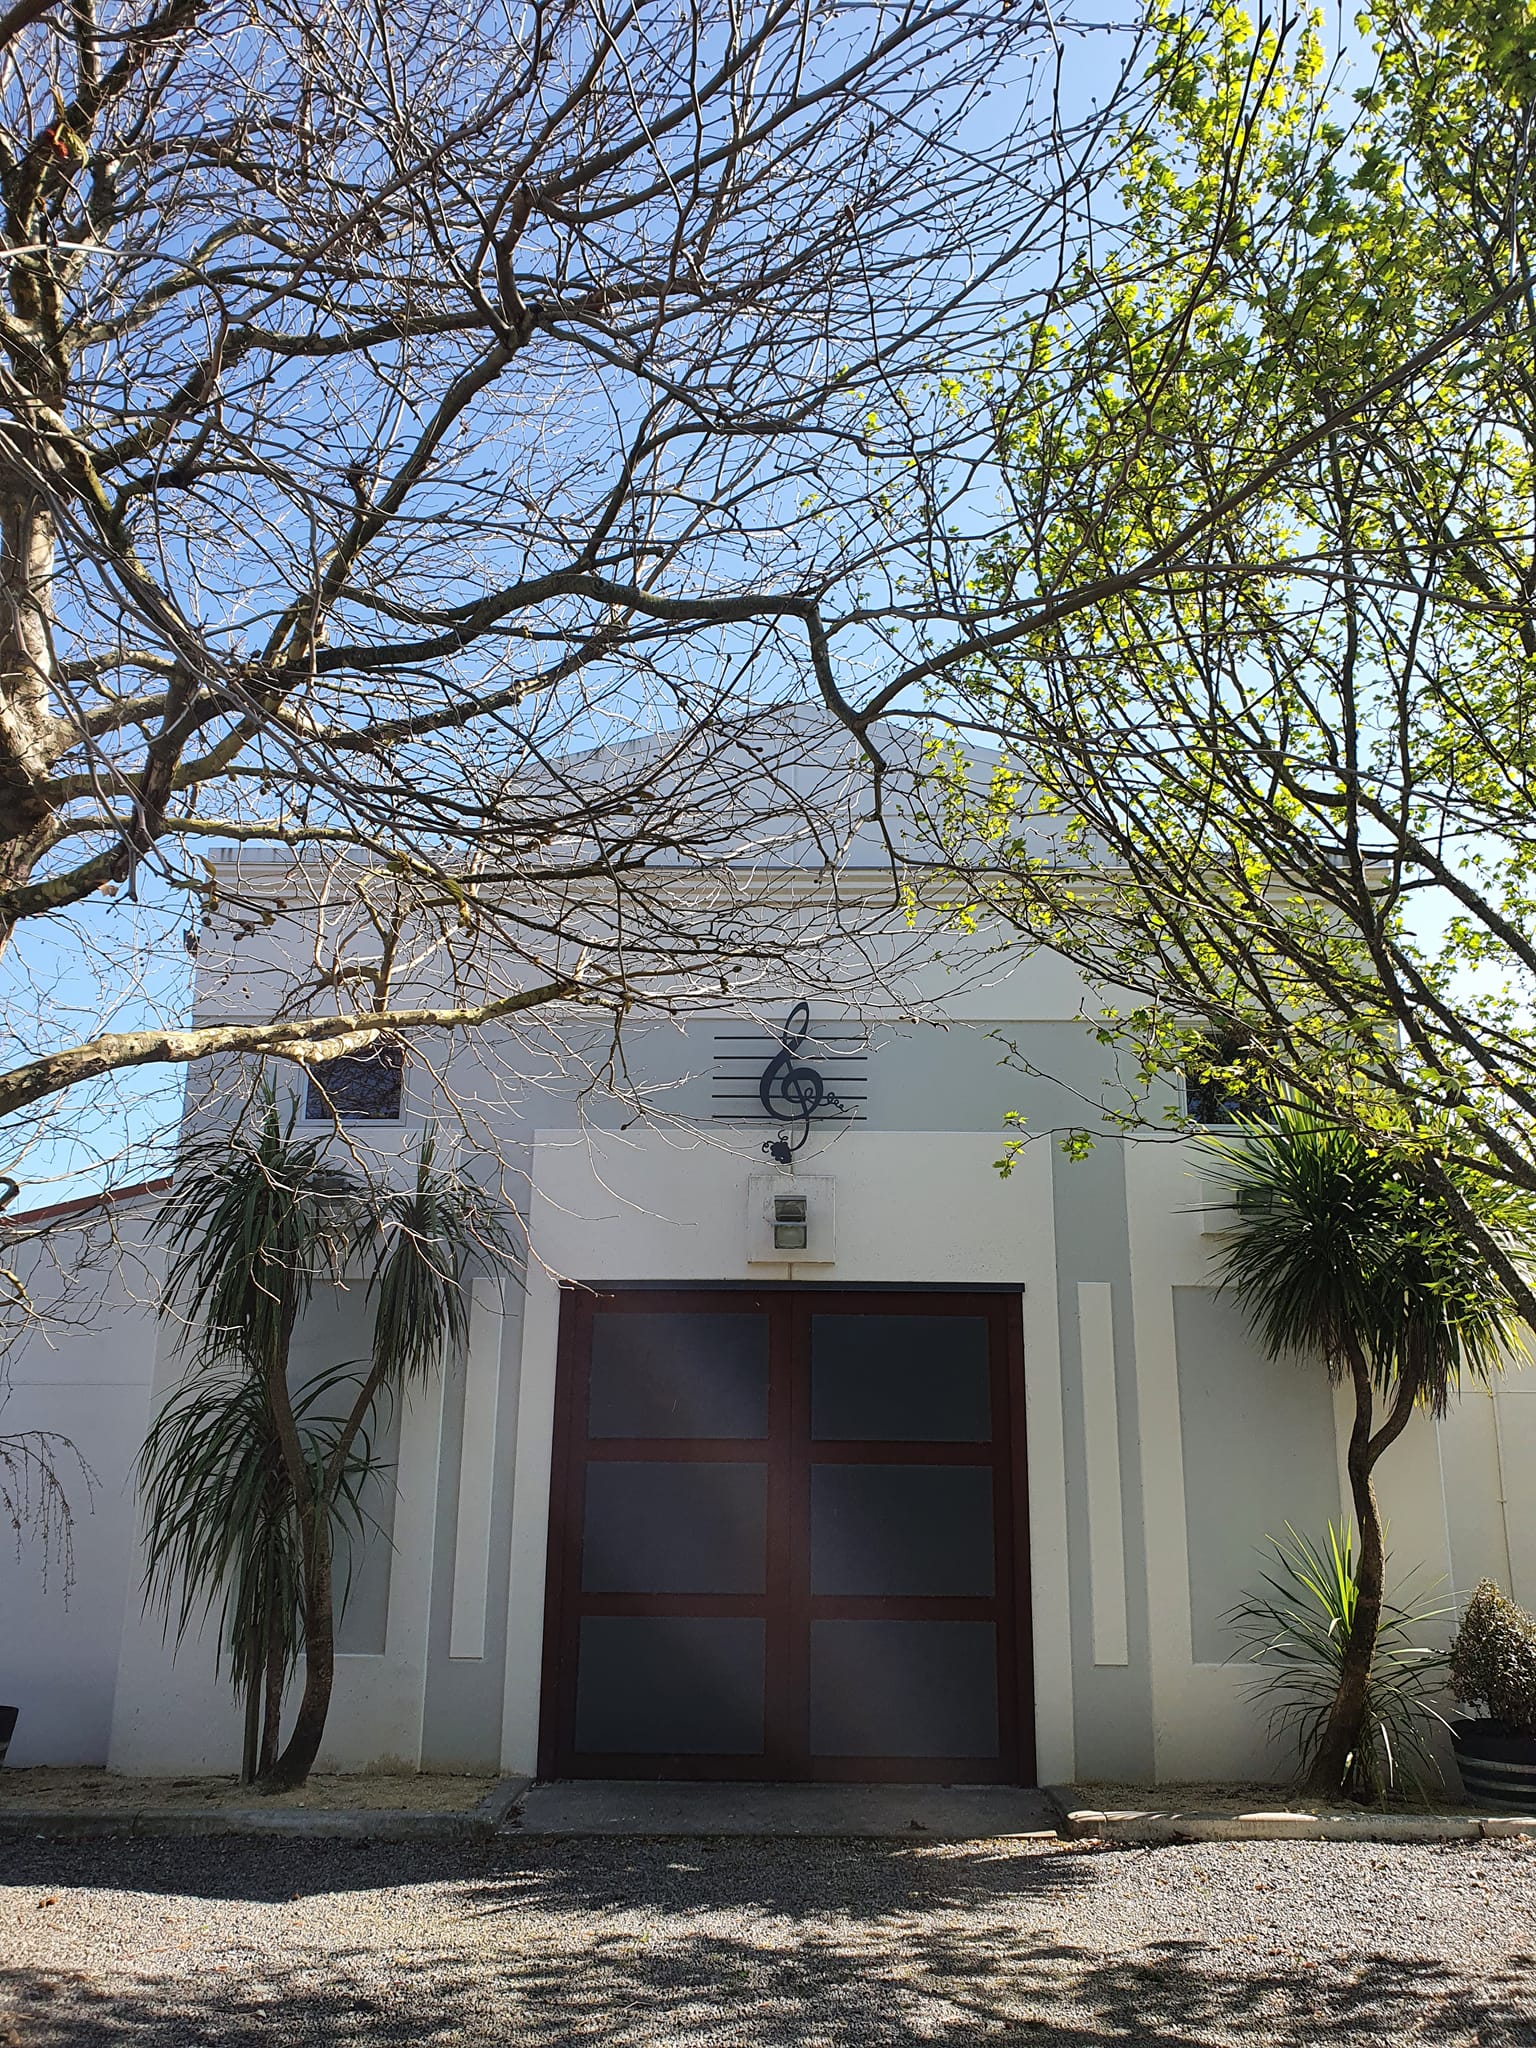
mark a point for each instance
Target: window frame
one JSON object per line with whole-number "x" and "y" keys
{"x": 326, "y": 1112}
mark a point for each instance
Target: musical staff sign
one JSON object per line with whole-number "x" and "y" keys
{"x": 792, "y": 1077}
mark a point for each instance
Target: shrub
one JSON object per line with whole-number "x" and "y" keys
{"x": 1295, "y": 1628}
{"x": 1493, "y": 1660}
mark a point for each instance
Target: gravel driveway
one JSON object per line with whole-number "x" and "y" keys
{"x": 752, "y": 1943}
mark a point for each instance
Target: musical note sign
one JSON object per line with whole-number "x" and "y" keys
{"x": 791, "y": 1090}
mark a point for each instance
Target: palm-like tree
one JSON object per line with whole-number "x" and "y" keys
{"x": 254, "y": 1225}
{"x": 221, "y": 1528}
{"x": 1356, "y": 1250}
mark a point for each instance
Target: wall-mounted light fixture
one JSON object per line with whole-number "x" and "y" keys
{"x": 790, "y": 1219}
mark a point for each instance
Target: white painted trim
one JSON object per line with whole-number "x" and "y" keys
{"x": 1511, "y": 1402}
{"x": 1162, "y": 1240}
{"x": 477, "y": 1472}
{"x": 1343, "y": 1427}
{"x": 1101, "y": 1433}
{"x": 410, "y": 1581}
{"x": 1049, "y": 1566}
{"x": 531, "y": 1462}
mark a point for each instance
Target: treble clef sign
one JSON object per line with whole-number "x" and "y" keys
{"x": 791, "y": 1093}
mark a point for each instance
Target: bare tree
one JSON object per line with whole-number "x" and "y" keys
{"x": 409, "y": 414}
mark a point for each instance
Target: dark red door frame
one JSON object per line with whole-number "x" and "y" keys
{"x": 787, "y": 1605}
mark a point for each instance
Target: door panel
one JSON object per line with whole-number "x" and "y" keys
{"x": 664, "y": 1528}
{"x": 654, "y": 1685}
{"x": 904, "y": 1689}
{"x": 670, "y": 1374}
{"x": 873, "y": 1376}
{"x": 889, "y": 1531}
{"x": 785, "y": 1538}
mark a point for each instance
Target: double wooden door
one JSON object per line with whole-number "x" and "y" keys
{"x": 787, "y": 1538}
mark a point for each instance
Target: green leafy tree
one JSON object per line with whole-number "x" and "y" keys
{"x": 1281, "y": 791}
{"x": 1342, "y": 1252}
{"x": 255, "y": 1224}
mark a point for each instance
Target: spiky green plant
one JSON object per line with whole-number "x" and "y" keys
{"x": 425, "y": 1236}
{"x": 255, "y": 1225}
{"x": 1354, "y": 1249}
{"x": 221, "y": 1530}
{"x": 418, "y": 1243}
{"x": 1297, "y": 1628}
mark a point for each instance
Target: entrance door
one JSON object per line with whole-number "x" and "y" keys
{"x": 787, "y": 1539}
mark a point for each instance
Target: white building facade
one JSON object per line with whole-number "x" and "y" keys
{"x": 868, "y": 1463}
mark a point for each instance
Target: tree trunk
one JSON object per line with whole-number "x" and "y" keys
{"x": 275, "y": 1662}
{"x": 293, "y": 1764}
{"x": 315, "y": 1538}
{"x": 29, "y": 730}
{"x": 248, "y": 1751}
{"x": 296, "y": 1762}
{"x": 1332, "y": 1766}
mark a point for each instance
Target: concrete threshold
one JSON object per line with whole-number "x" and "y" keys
{"x": 343, "y": 1824}
{"x": 903, "y": 1812}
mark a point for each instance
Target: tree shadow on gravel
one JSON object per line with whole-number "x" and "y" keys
{"x": 695, "y": 1944}
{"x": 699, "y": 1990}
{"x": 591, "y": 1874}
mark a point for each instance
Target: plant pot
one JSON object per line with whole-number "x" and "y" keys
{"x": 7, "y": 1729}
{"x": 1497, "y": 1765}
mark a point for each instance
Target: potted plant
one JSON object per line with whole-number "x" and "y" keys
{"x": 1493, "y": 1666}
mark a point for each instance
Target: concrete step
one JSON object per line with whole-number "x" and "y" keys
{"x": 944, "y": 1812}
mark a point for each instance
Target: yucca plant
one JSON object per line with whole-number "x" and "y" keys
{"x": 1353, "y": 1249}
{"x": 221, "y": 1529}
{"x": 417, "y": 1245}
{"x": 1298, "y": 1627}
{"x": 255, "y": 1225}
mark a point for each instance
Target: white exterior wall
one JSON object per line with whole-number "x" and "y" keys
{"x": 85, "y": 1372}
{"x": 1458, "y": 1497}
{"x": 1124, "y": 1638}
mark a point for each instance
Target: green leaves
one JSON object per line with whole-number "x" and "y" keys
{"x": 1341, "y": 1243}
{"x": 1281, "y": 770}
{"x": 256, "y": 1223}
{"x": 1493, "y": 1659}
{"x": 253, "y": 1225}
{"x": 220, "y": 1526}
{"x": 423, "y": 1241}
{"x": 1295, "y": 1629}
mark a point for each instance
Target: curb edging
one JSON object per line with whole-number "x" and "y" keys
{"x": 1147, "y": 1829}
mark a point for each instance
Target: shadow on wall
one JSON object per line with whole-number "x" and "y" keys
{"x": 768, "y": 1944}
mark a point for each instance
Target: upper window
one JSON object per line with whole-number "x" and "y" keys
{"x": 359, "y": 1088}
{"x": 1213, "y": 1092}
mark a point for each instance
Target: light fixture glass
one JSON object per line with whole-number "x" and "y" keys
{"x": 790, "y": 1223}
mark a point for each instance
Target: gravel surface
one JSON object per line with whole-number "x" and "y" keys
{"x": 751, "y": 1943}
